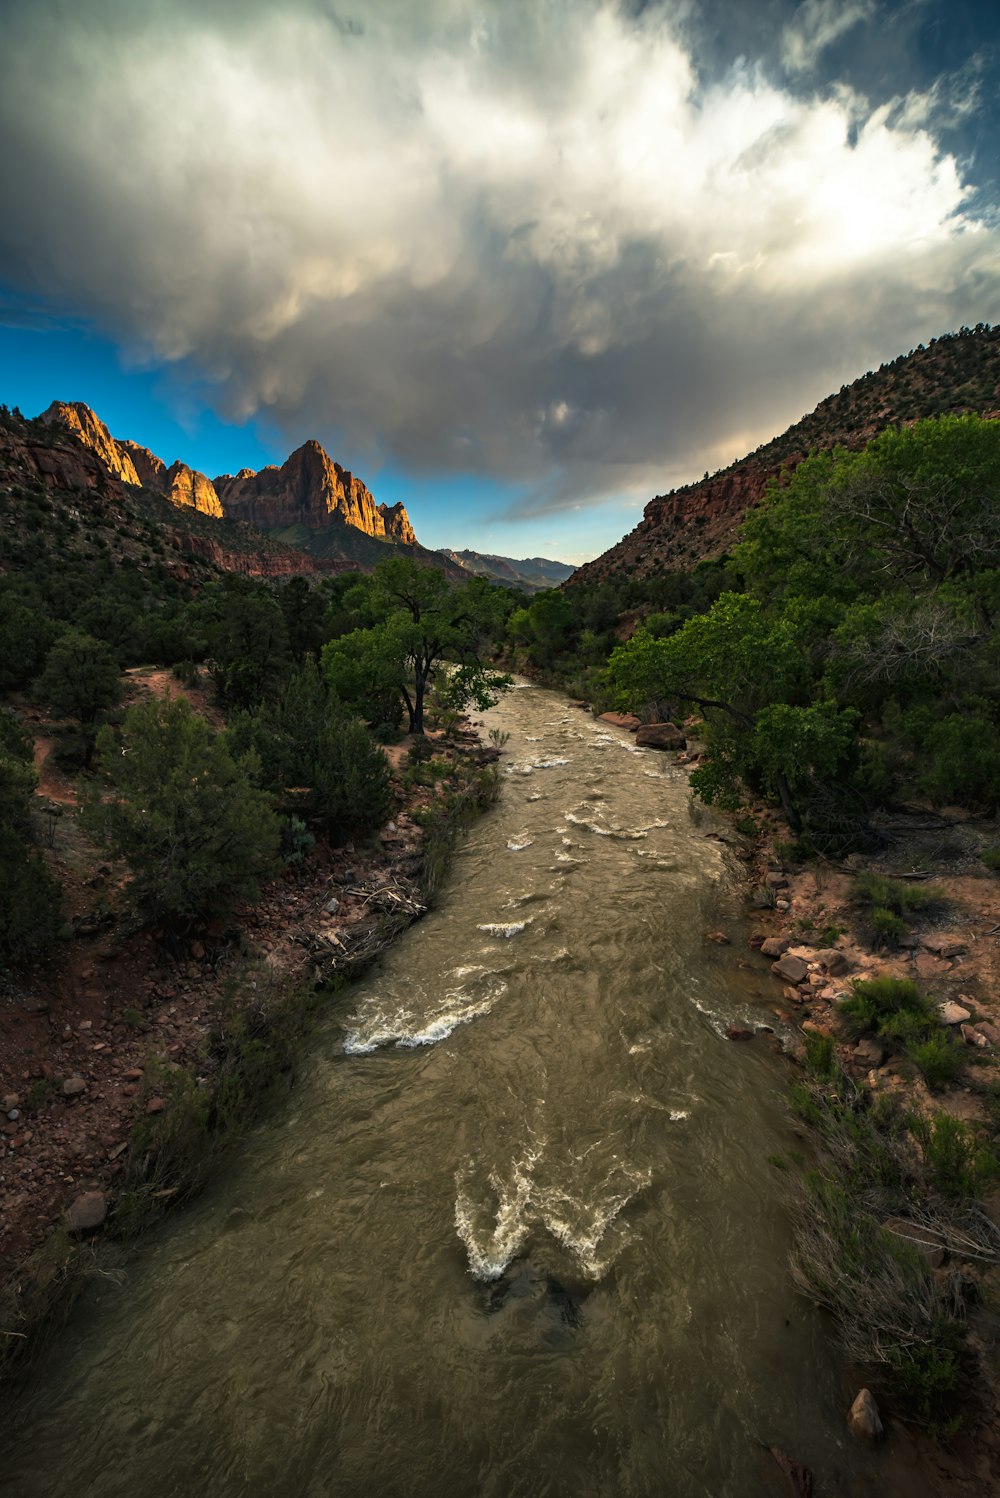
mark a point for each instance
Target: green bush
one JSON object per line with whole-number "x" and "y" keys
{"x": 197, "y": 833}
{"x": 29, "y": 909}
{"x": 958, "y": 1165}
{"x": 991, "y": 858}
{"x": 877, "y": 1003}
{"x": 939, "y": 1060}
{"x": 878, "y": 891}
{"x": 887, "y": 927}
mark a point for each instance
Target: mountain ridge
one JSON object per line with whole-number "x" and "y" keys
{"x": 955, "y": 373}
{"x": 310, "y": 493}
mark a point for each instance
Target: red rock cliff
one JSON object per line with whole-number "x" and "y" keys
{"x": 309, "y": 489}
{"x": 75, "y": 417}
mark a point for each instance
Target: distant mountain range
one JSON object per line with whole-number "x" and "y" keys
{"x": 959, "y": 372}
{"x": 317, "y": 509}
{"x": 531, "y": 574}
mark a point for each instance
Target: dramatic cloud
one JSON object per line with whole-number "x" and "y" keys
{"x": 523, "y": 238}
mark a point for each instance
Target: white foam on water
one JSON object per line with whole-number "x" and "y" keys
{"x": 505, "y": 929}
{"x": 494, "y": 1232}
{"x": 619, "y": 832}
{"x": 532, "y": 738}
{"x": 549, "y": 764}
{"x": 405, "y": 1029}
{"x": 519, "y": 842}
{"x": 677, "y": 1114}
{"x": 535, "y": 796}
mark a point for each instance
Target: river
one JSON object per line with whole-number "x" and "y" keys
{"x": 516, "y": 1232}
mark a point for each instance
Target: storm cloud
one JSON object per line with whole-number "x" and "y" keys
{"x": 530, "y": 239}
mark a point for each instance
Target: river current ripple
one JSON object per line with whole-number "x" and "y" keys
{"x": 516, "y": 1233}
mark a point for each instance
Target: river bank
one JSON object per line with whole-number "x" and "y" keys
{"x": 131, "y": 1062}
{"x": 822, "y": 930}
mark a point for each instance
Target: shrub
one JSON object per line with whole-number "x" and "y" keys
{"x": 29, "y": 910}
{"x": 939, "y": 1060}
{"x": 878, "y": 891}
{"x": 958, "y": 1165}
{"x": 190, "y": 821}
{"x": 877, "y": 1003}
{"x": 991, "y": 858}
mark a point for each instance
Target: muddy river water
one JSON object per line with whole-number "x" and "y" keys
{"x": 515, "y": 1233}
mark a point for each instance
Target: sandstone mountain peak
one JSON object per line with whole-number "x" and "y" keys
{"x": 309, "y": 495}
{"x": 83, "y": 423}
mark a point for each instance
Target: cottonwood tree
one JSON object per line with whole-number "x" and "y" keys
{"x": 424, "y": 621}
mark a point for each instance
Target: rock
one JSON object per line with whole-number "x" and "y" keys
{"x": 660, "y": 736}
{"x": 863, "y": 1421}
{"x": 331, "y": 907}
{"x": 735, "y": 1033}
{"x": 198, "y": 951}
{"x": 952, "y": 1013}
{"x": 789, "y": 969}
{"x": 869, "y": 1052}
{"x": 782, "y": 905}
{"x": 15, "y": 1113}
{"x": 774, "y": 946}
{"x": 991, "y": 1032}
{"x": 86, "y": 1212}
{"x": 908, "y": 942}
{"x": 973, "y": 1037}
{"x": 719, "y": 937}
{"x": 155, "y": 1105}
{"x": 756, "y": 942}
{"x": 11, "y": 1100}
{"x": 74, "y": 1086}
{"x": 791, "y": 994}
{"x": 833, "y": 961}
{"x": 775, "y": 881}
{"x": 944, "y": 946}
{"x": 621, "y": 720}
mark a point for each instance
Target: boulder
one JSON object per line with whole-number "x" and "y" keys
{"x": 952, "y": 1013}
{"x": 789, "y": 969}
{"x": 869, "y": 1052}
{"x": 621, "y": 720}
{"x": 775, "y": 881}
{"x": 86, "y": 1212}
{"x": 660, "y": 736}
{"x": 833, "y": 961}
{"x": 73, "y": 1086}
{"x": 736, "y": 1033}
{"x": 774, "y": 946}
{"x": 863, "y": 1420}
{"x": 719, "y": 937}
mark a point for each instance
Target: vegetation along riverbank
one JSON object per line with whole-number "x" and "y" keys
{"x": 221, "y": 797}
{"x": 221, "y": 792}
{"x": 837, "y": 672}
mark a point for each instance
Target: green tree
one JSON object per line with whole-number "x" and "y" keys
{"x": 424, "y": 622}
{"x": 29, "y": 909}
{"x": 306, "y": 740}
{"x": 248, "y": 645}
{"x": 190, "y": 820}
{"x": 81, "y": 680}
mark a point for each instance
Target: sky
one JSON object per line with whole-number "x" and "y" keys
{"x": 521, "y": 264}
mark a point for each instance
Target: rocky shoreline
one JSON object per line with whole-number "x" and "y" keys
{"x": 97, "y": 1047}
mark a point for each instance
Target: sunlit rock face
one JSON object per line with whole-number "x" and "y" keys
{"x": 309, "y": 489}
{"x": 79, "y": 419}
{"x": 185, "y": 486}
